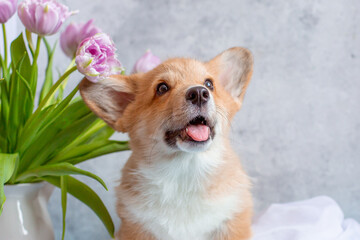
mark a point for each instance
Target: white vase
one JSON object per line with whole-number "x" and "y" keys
{"x": 25, "y": 215}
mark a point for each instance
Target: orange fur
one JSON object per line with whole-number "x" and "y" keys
{"x": 130, "y": 104}
{"x": 133, "y": 231}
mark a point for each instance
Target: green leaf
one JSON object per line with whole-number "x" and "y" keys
{"x": 91, "y": 150}
{"x": 7, "y": 166}
{"x": 114, "y": 146}
{"x": 21, "y": 63}
{"x": 17, "y": 49}
{"x": 58, "y": 169}
{"x": 3, "y": 143}
{"x": 29, "y": 106}
{"x": 55, "y": 87}
{"x": 37, "y": 125}
{"x": 3, "y": 66}
{"x": 86, "y": 195}
{"x": 77, "y": 151}
{"x": 63, "y": 84}
{"x": 33, "y": 79}
{"x": 86, "y": 136}
{"x": 48, "y": 82}
{"x": 43, "y": 127}
{"x": 63, "y": 185}
{"x": 32, "y": 127}
{"x": 4, "y": 118}
{"x": 61, "y": 140}
{"x": 15, "y": 115}
{"x": 26, "y": 85}
{"x": 103, "y": 133}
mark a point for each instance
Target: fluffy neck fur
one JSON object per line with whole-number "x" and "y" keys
{"x": 174, "y": 193}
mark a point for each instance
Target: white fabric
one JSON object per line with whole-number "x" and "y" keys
{"x": 319, "y": 218}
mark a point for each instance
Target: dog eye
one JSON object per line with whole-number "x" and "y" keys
{"x": 162, "y": 88}
{"x": 209, "y": 84}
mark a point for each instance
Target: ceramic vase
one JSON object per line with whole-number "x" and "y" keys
{"x": 25, "y": 215}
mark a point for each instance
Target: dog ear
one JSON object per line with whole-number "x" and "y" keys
{"x": 109, "y": 98}
{"x": 233, "y": 68}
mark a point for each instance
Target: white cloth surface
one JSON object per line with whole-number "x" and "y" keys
{"x": 319, "y": 218}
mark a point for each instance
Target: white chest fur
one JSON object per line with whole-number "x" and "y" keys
{"x": 173, "y": 203}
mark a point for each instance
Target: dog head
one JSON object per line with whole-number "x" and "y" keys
{"x": 183, "y": 104}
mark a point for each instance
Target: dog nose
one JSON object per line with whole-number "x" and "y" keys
{"x": 197, "y": 95}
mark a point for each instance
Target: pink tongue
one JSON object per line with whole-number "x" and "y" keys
{"x": 198, "y": 132}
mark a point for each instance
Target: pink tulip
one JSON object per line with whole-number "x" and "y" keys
{"x": 146, "y": 63}
{"x": 96, "y": 58}
{"x": 43, "y": 17}
{"x": 74, "y": 34}
{"x": 7, "y": 9}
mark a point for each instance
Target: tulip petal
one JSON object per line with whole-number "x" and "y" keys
{"x": 45, "y": 21}
{"x": 69, "y": 39}
{"x": 146, "y": 63}
{"x": 7, "y": 9}
{"x": 101, "y": 50}
{"x": 43, "y": 17}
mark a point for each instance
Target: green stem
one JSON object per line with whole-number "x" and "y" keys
{"x": 63, "y": 85}
{"x": 4, "y": 62}
{"x": 29, "y": 106}
{"x": 55, "y": 87}
{"x": 30, "y": 42}
{"x": 5, "y": 45}
{"x": 70, "y": 65}
{"x": 33, "y": 78}
{"x": 37, "y": 50}
{"x": 3, "y": 68}
{"x": 51, "y": 92}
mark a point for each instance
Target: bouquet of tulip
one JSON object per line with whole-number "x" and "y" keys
{"x": 45, "y": 143}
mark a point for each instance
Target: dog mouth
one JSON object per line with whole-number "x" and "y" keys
{"x": 197, "y": 130}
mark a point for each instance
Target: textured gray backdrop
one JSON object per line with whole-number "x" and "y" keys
{"x": 299, "y": 130}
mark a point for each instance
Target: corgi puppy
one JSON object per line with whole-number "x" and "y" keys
{"x": 182, "y": 181}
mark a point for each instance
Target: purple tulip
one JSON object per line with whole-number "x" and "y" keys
{"x": 96, "y": 58}
{"x": 7, "y": 9}
{"x": 74, "y": 34}
{"x": 146, "y": 63}
{"x": 43, "y": 17}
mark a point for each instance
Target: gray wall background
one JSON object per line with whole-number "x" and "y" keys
{"x": 299, "y": 129}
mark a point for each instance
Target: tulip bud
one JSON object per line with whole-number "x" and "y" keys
{"x": 146, "y": 63}
{"x": 74, "y": 34}
{"x": 43, "y": 17}
{"x": 96, "y": 58}
{"x": 7, "y": 9}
